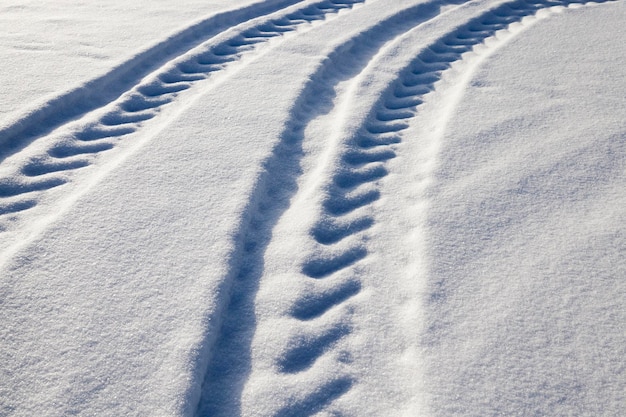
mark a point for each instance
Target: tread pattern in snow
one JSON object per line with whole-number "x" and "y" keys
{"x": 24, "y": 183}
{"x": 347, "y": 214}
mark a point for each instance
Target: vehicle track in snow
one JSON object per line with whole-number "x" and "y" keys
{"x": 362, "y": 163}
{"x": 328, "y": 279}
{"x": 346, "y": 215}
{"x": 51, "y": 161}
{"x": 230, "y": 356}
{"x": 317, "y": 311}
{"x": 108, "y": 87}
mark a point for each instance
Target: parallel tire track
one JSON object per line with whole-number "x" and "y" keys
{"x": 108, "y": 87}
{"x": 56, "y": 157}
{"x": 230, "y": 357}
{"x": 346, "y": 212}
{"x": 346, "y": 215}
{"x": 362, "y": 164}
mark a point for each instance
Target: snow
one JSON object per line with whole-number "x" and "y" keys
{"x": 324, "y": 207}
{"x": 527, "y": 230}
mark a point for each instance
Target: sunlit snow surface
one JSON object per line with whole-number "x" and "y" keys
{"x": 321, "y": 207}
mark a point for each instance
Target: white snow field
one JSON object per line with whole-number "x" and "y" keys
{"x": 313, "y": 208}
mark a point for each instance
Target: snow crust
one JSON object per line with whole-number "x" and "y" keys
{"x": 323, "y": 207}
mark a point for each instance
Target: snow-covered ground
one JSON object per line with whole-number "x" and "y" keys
{"x": 319, "y": 207}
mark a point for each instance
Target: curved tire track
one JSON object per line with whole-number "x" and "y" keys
{"x": 231, "y": 363}
{"x": 346, "y": 212}
{"x": 53, "y": 160}
{"x": 98, "y": 92}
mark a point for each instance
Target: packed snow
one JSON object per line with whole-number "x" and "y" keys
{"x": 320, "y": 207}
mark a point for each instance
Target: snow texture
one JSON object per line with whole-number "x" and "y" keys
{"x": 320, "y": 207}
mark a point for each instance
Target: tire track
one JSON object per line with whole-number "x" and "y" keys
{"x": 98, "y": 92}
{"x": 229, "y": 353}
{"x": 346, "y": 215}
{"x": 54, "y": 160}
